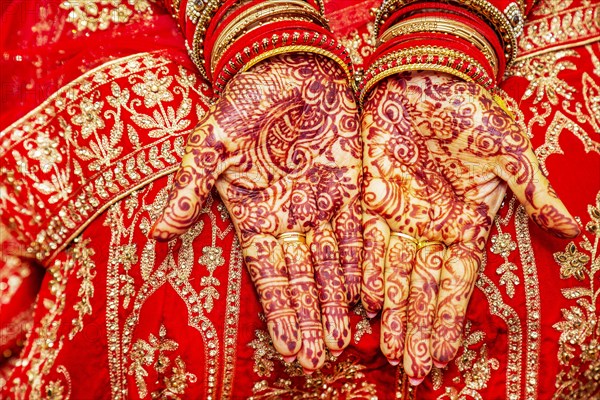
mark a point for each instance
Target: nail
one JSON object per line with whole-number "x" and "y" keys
{"x": 393, "y": 362}
{"x": 440, "y": 365}
{"x": 371, "y": 314}
{"x": 336, "y": 353}
{"x": 289, "y": 359}
{"x": 415, "y": 381}
{"x": 307, "y": 371}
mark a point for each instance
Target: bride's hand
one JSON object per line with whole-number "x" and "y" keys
{"x": 438, "y": 155}
{"x": 283, "y": 149}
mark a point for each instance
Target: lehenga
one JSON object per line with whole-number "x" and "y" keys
{"x": 104, "y": 95}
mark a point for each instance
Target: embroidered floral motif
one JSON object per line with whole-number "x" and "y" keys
{"x": 579, "y": 342}
{"x": 336, "y": 380}
{"x": 475, "y": 367}
{"x": 95, "y": 15}
{"x": 154, "y": 353}
{"x": 86, "y": 288}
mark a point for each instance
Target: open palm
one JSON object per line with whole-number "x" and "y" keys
{"x": 282, "y": 147}
{"x": 438, "y": 155}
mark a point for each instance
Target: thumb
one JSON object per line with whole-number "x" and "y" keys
{"x": 519, "y": 167}
{"x": 200, "y": 167}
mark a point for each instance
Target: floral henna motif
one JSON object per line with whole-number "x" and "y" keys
{"x": 422, "y": 301}
{"x": 283, "y": 150}
{"x": 332, "y": 291}
{"x": 399, "y": 264}
{"x": 438, "y": 155}
{"x": 305, "y": 301}
{"x": 265, "y": 261}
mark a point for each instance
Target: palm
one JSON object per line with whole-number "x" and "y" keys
{"x": 282, "y": 148}
{"x": 437, "y": 154}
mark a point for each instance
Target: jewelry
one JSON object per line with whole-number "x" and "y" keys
{"x": 292, "y": 237}
{"x": 447, "y": 26}
{"x": 419, "y": 243}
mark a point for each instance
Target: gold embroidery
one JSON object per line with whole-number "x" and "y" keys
{"x": 86, "y": 288}
{"x": 46, "y": 342}
{"x": 475, "y": 367}
{"x": 559, "y": 28}
{"x": 360, "y": 46}
{"x": 153, "y": 352}
{"x": 66, "y": 158}
{"x": 334, "y": 381}
{"x": 174, "y": 270}
{"x": 532, "y": 302}
{"x": 98, "y": 14}
{"x": 503, "y": 245}
{"x": 579, "y": 342}
{"x": 515, "y": 333}
{"x": 364, "y": 325}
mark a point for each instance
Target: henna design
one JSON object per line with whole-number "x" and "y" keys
{"x": 422, "y": 301}
{"x": 399, "y": 263}
{"x": 283, "y": 150}
{"x": 438, "y": 156}
{"x": 305, "y": 301}
{"x": 332, "y": 292}
{"x": 265, "y": 261}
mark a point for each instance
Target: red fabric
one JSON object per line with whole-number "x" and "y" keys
{"x": 83, "y": 364}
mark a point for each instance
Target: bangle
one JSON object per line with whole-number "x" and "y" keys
{"x": 435, "y": 58}
{"x": 257, "y": 16}
{"x": 508, "y": 24}
{"x": 445, "y": 26}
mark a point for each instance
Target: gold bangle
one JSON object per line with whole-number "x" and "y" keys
{"x": 298, "y": 49}
{"x": 430, "y": 51}
{"x": 508, "y": 24}
{"x": 253, "y": 16}
{"x": 455, "y": 28}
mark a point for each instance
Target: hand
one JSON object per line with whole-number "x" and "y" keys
{"x": 438, "y": 153}
{"x": 282, "y": 147}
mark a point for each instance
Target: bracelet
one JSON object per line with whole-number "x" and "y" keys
{"x": 435, "y": 58}
{"x": 508, "y": 24}
{"x": 257, "y": 16}
{"x": 446, "y": 26}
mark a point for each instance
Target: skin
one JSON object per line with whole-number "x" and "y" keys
{"x": 282, "y": 147}
{"x": 438, "y": 156}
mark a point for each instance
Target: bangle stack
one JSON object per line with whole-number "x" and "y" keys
{"x": 229, "y": 36}
{"x": 471, "y": 39}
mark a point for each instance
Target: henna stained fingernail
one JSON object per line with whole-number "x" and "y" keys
{"x": 371, "y": 314}
{"x": 440, "y": 365}
{"x": 416, "y": 381}
{"x": 393, "y": 362}
{"x": 289, "y": 359}
{"x": 336, "y": 353}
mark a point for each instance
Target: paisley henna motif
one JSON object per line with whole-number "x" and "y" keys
{"x": 282, "y": 148}
{"x": 438, "y": 155}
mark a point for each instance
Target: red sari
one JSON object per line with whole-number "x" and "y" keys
{"x": 104, "y": 95}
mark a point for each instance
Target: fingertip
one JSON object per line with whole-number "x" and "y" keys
{"x": 415, "y": 381}
{"x": 336, "y": 353}
{"x": 440, "y": 365}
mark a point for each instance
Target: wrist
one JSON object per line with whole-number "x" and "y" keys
{"x": 234, "y": 35}
{"x": 471, "y": 39}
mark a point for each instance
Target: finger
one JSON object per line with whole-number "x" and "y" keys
{"x": 305, "y": 301}
{"x": 519, "y": 167}
{"x": 332, "y": 291}
{"x": 348, "y": 230}
{"x": 421, "y": 311}
{"x": 264, "y": 258}
{"x": 457, "y": 281}
{"x": 193, "y": 182}
{"x": 376, "y": 237}
{"x": 398, "y": 267}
